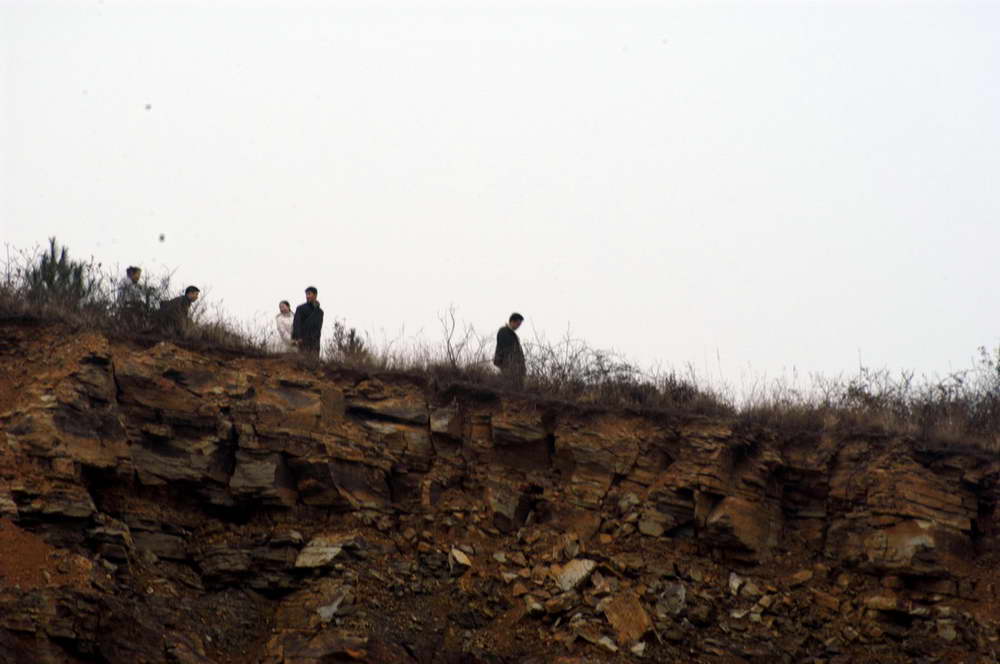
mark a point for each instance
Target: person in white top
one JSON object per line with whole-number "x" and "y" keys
{"x": 284, "y": 322}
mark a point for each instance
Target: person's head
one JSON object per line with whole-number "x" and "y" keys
{"x": 311, "y": 294}
{"x": 192, "y": 293}
{"x": 284, "y": 307}
{"x": 515, "y": 320}
{"x": 134, "y": 273}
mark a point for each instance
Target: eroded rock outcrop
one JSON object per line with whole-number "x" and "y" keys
{"x": 163, "y": 505}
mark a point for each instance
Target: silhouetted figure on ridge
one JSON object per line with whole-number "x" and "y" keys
{"x": 175, "y": 313}
{"x": 129, "y": 291}
{"x": 509, "y": 357}
{"x": 283, "y": 321}
{"x": 132, "y": 299}
{"x": 307, "y": 326}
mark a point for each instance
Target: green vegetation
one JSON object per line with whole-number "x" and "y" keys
{"x": 53, "y": 277}
{"x": 50, "y": 286}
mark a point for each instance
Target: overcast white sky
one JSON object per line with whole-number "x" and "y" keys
{"x": 746, "y": 186}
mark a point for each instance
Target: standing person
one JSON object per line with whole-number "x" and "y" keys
{"x": 131, "y": 300}
{"x": 284, "y": 323}
{"x": 130, "y": 292}
{"x": 174, "y": 314}
{"x": 308, "y": 324}
{"x": 509, "y": 357}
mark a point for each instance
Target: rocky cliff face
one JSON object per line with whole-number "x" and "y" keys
{"x": 160, "y": 505}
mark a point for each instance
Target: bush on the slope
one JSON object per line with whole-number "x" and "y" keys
{"x": 49, "y": 286}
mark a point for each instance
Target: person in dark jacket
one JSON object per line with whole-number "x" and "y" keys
{"x": 509, "y": 357}
{"x": 307, "y": 326}
{"x": 174, "y": 314}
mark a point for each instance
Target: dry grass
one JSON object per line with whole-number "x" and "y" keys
{"x": 962, "y": 408}
{"x": 97, "y": 305}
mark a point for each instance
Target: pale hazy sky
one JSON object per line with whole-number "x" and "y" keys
{"x": 741, "y": 185}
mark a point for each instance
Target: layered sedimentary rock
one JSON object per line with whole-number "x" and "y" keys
{"x": 163, "y": 505}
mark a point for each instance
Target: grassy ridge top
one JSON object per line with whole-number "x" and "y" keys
{"x": 49, "y": 287}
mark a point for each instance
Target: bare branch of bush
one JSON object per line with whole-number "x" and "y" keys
{"x": 49, "y": 285}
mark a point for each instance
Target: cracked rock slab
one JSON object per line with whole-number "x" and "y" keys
{"x": 323, "y": 549}
{"x": 572, "y": 574}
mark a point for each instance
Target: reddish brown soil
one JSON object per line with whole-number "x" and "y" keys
{"x": 28, "y": 562}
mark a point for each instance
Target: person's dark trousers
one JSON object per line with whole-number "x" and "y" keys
{"x": 513, "y": 376}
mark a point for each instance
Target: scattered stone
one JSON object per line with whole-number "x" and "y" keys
{"x": 946, "y": 630}
{"x": 327, "y": 612}
{"x": 672, "y": 599}
{"x": 588, "y": 631}
{"x": 627, "y": 502}
{"x": 735, "y": 583}
{"x": 673, "y": 634}
{"x": 750, "y": 590}
{"x": 573, "y": 573}
{"x": 608, "y": 643}
{"x": 651, "y": 527}
{"x": 7, "y": 506}
{"x": 459, "y": 557}
{"x": 562, "y": 602}
{"x": 323, "y": 549}
{"x": 799, "y": 578}
{"x": 628, "y": 618}
{"x": 882, "y": 603}
{"x": 826, "y": 600}
{"x": 701, "y": 614}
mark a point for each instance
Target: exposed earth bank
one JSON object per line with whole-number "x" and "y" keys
{"x": 159, "y": 504}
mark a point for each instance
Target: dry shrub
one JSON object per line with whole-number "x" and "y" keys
{"x": 962, "y": 408}
{"x": 461, "y": 354}
{"x": 50, "y": 286}
{"x": 572, "y": 370}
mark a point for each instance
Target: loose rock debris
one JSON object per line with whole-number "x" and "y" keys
{"x": 163, "y": 505}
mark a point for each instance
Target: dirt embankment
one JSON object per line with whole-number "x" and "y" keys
{"x": 163, "y": 505}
